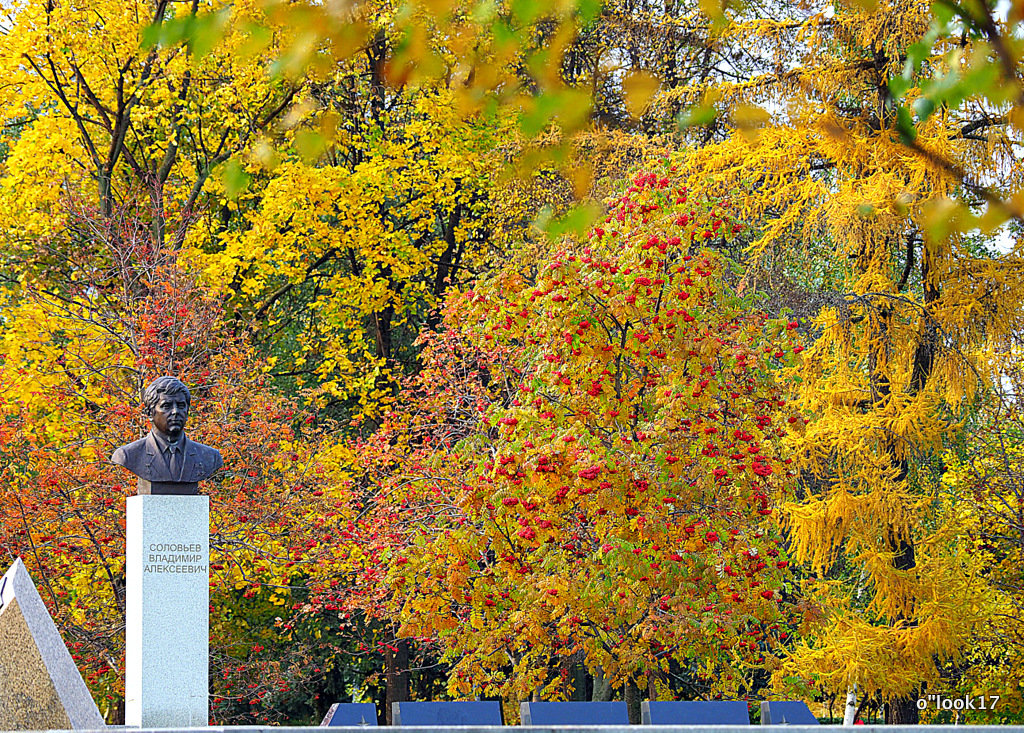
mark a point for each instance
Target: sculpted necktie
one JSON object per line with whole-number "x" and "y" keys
{"x": 175, "y": 462}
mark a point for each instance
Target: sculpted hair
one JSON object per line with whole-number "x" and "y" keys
{"x": 164, "y": 386}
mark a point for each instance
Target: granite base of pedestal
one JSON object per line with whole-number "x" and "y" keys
{"x": 167, "y": 631}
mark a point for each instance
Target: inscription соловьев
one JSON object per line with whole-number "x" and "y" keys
{"x": 171, "y": 557}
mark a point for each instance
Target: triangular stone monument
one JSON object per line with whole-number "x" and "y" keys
{"x": 40, "y": 687}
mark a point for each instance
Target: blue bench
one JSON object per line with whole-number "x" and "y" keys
{"x": 697, "y": 712}
{"x": 574, "y": 713}
{"x": 470, "y": 712}
{"x": 787, "y": 712}
{"x": 351, "y": 714}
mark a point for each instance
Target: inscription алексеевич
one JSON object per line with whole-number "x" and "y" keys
{"x": 172, "y": 557}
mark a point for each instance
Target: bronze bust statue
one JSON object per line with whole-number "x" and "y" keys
{"x": 165, "y": 461}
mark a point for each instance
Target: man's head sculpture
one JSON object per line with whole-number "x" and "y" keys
{"x": 167, "y": 402}
{"x": 166, "y": 461}
{"x": 164, "y": 386}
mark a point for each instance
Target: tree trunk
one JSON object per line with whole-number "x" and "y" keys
{"x": 902, "y": 711}
{"x": 654, "y": 676}
{"x": 579, "y": 682}
{"x": 382, "y": 327}
{"x": 602, "y": 687}
{"x": 396, "y": 675}
{"x": 376, "y": 54}
{"x": 118, "y": 714}
{"x": 850, "y": 713}
{"x": 632, "y": 695}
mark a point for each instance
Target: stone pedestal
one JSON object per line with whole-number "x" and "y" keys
{"x": 168, "y": 611}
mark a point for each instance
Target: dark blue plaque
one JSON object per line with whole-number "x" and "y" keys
{"x": 574, "y": 713}
{"x": 787, "y": 712}
{"x": 351, "y": 714}
{"x": 696, "y": 712}
{"x": 472, "y": 712}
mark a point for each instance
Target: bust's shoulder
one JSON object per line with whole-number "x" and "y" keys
{"x": 129, "y": 450}
{"x": 204, "y": 449}
{"x": 207, "y": 453}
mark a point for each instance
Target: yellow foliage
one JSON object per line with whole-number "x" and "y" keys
{"x": 913, "y": 311}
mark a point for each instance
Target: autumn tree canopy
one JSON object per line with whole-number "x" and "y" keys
{"x": 496, "y": 312}
{"x": 905, "y": 305}
{"x": 73, "y": 364}
{"x": 611, "y": 498}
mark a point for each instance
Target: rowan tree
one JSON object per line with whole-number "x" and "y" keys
{"x": 601, "y": 424}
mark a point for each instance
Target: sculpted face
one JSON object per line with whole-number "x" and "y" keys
{"x": 169, "y": 415}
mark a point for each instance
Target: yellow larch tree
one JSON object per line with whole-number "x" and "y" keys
{"x": 982, "y": 486}
{"x": 858, "y": 224}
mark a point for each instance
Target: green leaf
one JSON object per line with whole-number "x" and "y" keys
{"x": 696, "y": 116}
{"x": 898, "y": 86}
{"x": 234, "y": 178}
{"x": 938, "y": 87}
{"x": 526, "y": 11}
{"x": 200, "y": 32}
{"x": 588, "y": 10}
{"x": 905, "y": 125}
{"x": 576, "y": 220}
{"x": 917, "y": 53}
{"x": 206, "y": 32}
{"x": 151, "y": 36}
{"x": 504, "y": 34}
{"x": 943, "y": 11}
{"x": 984, "y": 80}
{"x": 923, "y": 107}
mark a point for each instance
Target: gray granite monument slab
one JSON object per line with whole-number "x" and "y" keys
{"x": 167, "y": 635}
{"x": 40, "y": 686}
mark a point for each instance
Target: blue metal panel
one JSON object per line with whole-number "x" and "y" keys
{"x": 574, "y": 713}
{"x": 360, "y": 714}
{"x": 698, "y": 712}
{"x": 786, "y": 712}
{"x": 472, "y": 712}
